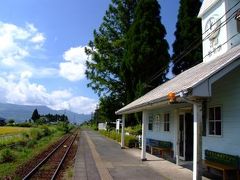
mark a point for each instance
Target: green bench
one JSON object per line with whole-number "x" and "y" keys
{"x": 159, "y": 147}
{"x": 222, "y": 162}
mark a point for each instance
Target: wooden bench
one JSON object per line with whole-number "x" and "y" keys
{"x": 161, "y": 147}
{"x": 161, "y": 151}
{"x": 222, "y": 162}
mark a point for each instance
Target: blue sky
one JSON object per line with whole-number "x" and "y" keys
{"x": 42, "y": 59}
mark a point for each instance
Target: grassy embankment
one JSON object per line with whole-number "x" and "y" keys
{"x": 18, "y": 145}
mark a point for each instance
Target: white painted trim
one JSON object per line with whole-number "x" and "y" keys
{"x": 197, "y": 141}
{"x": 198, "y": 89}
{"x": 207, "y": 133}
{"x": 144, "y": 127}
{"x": 176, "y": 122}
{"x": 197, "y": 138}
{"x": 169, "y": 121}
{"x": 123, "y": 132}
{"x": 184, "y": 136}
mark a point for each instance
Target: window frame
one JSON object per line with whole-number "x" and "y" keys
{"x": 157, "y": 122}
{"x": 214, "y": 121}
{"x": 166, "y": 124}
{"x": 150, "y": 117}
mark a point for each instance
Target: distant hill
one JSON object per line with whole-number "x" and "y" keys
{"x": 24, "y": 112}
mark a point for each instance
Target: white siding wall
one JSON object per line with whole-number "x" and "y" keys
{"x": 160, "y": 134}
{"x": 218, "y": 9}
{"x": 232, "y": 24}
{"x": 226, "y": 93}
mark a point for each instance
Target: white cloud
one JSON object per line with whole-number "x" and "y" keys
{"x": 19, "y": 90}
{"x": 26, "y": 75}
{"x": 74, "y": 66}
{"x": 17, "y": 44}
{"x": 31, "y": 27}
{"x": 38, "y": 38}
{"x": 45, "y": 72}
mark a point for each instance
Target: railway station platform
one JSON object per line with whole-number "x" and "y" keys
{"x": 101, "y": 158}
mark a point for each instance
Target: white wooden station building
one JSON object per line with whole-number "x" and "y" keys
{"x": 205, "y": 114}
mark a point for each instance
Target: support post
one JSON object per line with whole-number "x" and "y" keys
{"x": 176, "y": 120}
{"x": 123, "y": 132}
{"x": 144, "y": 128}
{"x": 197, "y": 144}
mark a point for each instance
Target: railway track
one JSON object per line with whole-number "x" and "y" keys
{"x": 49, "y": 167}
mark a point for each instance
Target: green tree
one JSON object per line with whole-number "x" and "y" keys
{"x": 35, "y": 115}
{"x": 146, "y": 50}
{"x": 188, "y": 34}
{"x": 107, "y": 108}
{"x": 2, "y": 122}
{"x": 107, "y": 49}
{"x": 11, "y": 121}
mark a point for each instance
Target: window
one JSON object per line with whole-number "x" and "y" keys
{"x": 166, "y": 122}
{"x": 150, "y": 123}
{"x": 215, "y": 121}
{"x": 157, "y": 122}
{"x": 237, "y": 17}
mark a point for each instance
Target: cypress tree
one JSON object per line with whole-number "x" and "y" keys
{"x": 35, "y": 115}
{"x": 188, "y": 30}
{"x": 146, "y": 50}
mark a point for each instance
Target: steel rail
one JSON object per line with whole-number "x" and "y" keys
{"x": 43, "y": 161}
{"x": 63, "y": 158}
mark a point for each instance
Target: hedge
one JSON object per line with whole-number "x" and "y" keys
{"x": 130, "y": 141}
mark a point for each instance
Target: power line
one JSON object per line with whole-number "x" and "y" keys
{"x": 186, "y": 51}
{"x": 222, "y": 44}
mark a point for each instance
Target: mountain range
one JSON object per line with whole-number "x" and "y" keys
{"x": 21, "y": 113}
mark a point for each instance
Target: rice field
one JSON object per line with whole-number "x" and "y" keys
{"x": 7, "y": 130}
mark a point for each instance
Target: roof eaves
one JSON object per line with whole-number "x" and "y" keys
{"x": 214, "y": 72}
{"x": 139, "y": 107}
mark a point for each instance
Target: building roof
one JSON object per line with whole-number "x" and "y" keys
{"x": 186, "y": 80}
{"x": 206, "y": 5}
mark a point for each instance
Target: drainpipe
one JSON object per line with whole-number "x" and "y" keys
{"x": 197, "y": 138}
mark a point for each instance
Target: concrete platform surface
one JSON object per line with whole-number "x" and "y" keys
{"x": 101, "y": 158}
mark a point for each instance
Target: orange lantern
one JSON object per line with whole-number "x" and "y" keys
{"x": 171, "y": 97}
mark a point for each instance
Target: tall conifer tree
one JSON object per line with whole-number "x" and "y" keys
{"x": 35, "y": 115}
{"x": 106, "y": 51}
{"x": 146, "y": 50}
{"x": 188, "y": 33}
{"x": 103, "y": 70}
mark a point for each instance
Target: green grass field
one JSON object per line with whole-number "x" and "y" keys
{"x": 32, "y": 141}
{"x": 6, "y": 130}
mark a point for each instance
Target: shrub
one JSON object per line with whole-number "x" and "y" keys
{"x": 135, "y": 130}
{"x": 25, "y": 135}
{"x": 46, "y": 131}
{"x": 35, "y": 134}
{"x": 64, "y": 127}
{"x": 112, "y": 135}
{"x": 25, "y": 124}
{"x": 131, "y": 141}
{"x": 31, "y": 143}
{"x": 7, "y": 156}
